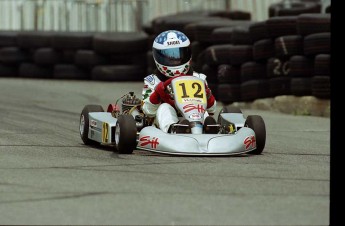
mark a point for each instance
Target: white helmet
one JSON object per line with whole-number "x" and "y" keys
{"x": 172, "y": 53}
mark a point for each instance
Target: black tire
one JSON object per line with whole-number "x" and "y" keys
{"x": 318, "y": 43}
{"x": 229, "y": 93}
{"x": 311, "y": 23}
{"x": 322, "y": 65}
{"x": 301, "y": 86}
{"x": 29, "y": 70}
{"x": 120, "y": 42}
{"x": 301, "y": 66}
{"x": 281, "y": 26}
{"x": 69, "y": 72}
{"x": 211, "y": 73}
{"x": 218, "y": 54}
{"x": 34, "y": 39}
{"x": 252, "y": 70}
{"x": 241, "y": 36}
{"x": 287, "y": 46}
{"x": 258, "y": 31}
{"x": 84, "y": 123}
{"x": 328, "y": 9}
{"x": 127, "y": 137}
{"x": 232, "y": 14}
{"x": 204, "y": 29}
{"x": 229, "y": 74}
{"x": 88, "y": 59}
{"x": 263, "y": 50}
{"x": 222, "y": 35}
{"x": 47, "y": 56}
{"x": 240, "y": 54}
{"x": 277, "y": 67}
{"x": 321, "y": 87}
{"x": 72, "y": 40}
{"x": 68, "y": 56}
{"x": 255, "y": 89}
{"x": 14, "y": 55}
{"x": 295, "y": 8}
{"x": 118, "y": 73}
{"x": 8, "y": 38}
{"x": 280, "y": 86}
{"x": 256, "y": 123}
{"x": 8, "y": 70}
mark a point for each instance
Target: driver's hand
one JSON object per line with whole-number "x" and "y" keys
{"x": 160, "y": 89}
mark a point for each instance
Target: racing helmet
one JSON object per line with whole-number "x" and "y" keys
{"x": 172, "y": 53}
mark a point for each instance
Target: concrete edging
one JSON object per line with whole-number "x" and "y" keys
{"x": 306, "y": 105}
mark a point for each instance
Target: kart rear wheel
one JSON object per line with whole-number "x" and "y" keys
{"x": 125, "y": 134}
{"x": 228, "y": 109}
{"x": 84, "y": 122}
{"x": 256, "y": 123}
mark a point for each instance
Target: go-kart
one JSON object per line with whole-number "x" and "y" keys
{"x": 127, "y": 128}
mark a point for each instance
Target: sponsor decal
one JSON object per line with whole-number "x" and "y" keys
{"x": 150, "y": 79}
{"x": 147, "y": 140}
{"x": 93, "y": 123}
{"x": 177, "y": 42}
{"x": 249, "y": 142}
{"x": 164, "y": 36}
{"x": 105, "y": 132}
{"x": 195, "y": 116}
{"x": 191, "y": 100}
{"x": 190, "y": 107}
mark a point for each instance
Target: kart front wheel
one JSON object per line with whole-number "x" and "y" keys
{"x": 125, "y": 134}
{"x": 84, "y": 122}
{"x": 256, "y": 123}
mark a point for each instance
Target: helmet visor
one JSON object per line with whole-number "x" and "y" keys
{"x": 172, "y": 56}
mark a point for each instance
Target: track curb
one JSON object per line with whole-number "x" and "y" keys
{"x": 289, "y": 104}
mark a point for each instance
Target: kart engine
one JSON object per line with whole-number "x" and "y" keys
{"x": 129, "y": 102}
{"x": 132, "y": 105}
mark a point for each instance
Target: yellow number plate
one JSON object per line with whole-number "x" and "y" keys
{"x": 190, "y": 91}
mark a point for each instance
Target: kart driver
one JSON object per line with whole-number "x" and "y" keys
{"x": 172, "y": 55}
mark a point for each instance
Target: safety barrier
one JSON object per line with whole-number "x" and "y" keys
{"x": 109, "y": 15}
{"x": 243, "y": 59}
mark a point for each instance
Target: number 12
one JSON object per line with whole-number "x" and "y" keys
{"x": 196, "y": 94}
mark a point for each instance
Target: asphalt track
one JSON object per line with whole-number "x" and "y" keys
{"x": 48, "y": 176}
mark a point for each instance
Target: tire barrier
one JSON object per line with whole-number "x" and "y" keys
{"x": 288, "y": 54}
{"x": 69, "y": 72}
{"x": 321, "y": 87}
{"x": 282, "y": 25}
{"x": 29, "y": 70}
{"x": 313, "y": 23}
{"x": 74, "y": 55}
{"x": 322, "y": 65}
{"x": 279, "y": 56}
{"x": 8, "y": 70}
{"x": 14, "y": 55}
{"x": 291, "y": 8}
{"x": 288, "y": 46}
{"x": 8, "y": 38}
{"x": 47, "y": 56}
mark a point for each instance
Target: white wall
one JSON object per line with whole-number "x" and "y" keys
{"x": 109, "y": 15}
